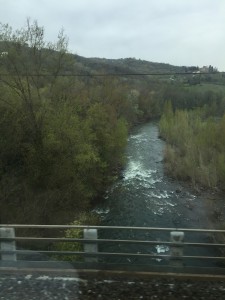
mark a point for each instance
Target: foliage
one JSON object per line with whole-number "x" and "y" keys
{"x": 195, "y": 147}
{"x": 62, "y": 138}
{"x": 82, "y": 219}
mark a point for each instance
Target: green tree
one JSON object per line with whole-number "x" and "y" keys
{"x": 28, "y": 57}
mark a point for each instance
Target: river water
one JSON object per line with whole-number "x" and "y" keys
{"x": 146, "y": 196}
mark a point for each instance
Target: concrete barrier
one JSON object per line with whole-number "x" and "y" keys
{"x": 8, "y": 245}
{"x": 91, "y": 234}
{"x": 176, "y": 252}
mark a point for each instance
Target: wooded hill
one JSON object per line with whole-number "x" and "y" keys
{"x": 126, "y": 66}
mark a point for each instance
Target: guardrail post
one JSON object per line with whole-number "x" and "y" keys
{"x": 8, "y": 245}
{"x": 91, "y": 234}
{"x": 176, "y": 252}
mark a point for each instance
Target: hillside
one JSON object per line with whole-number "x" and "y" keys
{"x": 126, "y": 65}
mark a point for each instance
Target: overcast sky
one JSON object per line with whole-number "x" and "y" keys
{"x": 179, "y": 32}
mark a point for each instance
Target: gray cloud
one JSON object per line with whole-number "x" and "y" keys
{"x": 186, "y": 32}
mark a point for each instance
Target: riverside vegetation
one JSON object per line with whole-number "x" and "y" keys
{"x": 62, "y": 137}
{"x": 195, "y": 144}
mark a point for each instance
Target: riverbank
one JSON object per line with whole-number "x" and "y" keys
{"x": 195, "y": 146}
{"x": 214, "y": 203}
{"x": 213, "y": 207}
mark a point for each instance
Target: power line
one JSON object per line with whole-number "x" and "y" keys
{"x": 110, "y": 74}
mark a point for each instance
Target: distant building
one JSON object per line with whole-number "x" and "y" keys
{"x": 204, "y": 69}
{"x": 208, "y": 69}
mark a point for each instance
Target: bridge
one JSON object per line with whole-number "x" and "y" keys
{"x": 179, "y": 252}
{"x": 95, "y": 264}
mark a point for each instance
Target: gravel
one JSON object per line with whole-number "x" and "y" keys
{"x": 41, "y": 287}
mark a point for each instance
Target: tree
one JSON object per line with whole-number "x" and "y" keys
{"x": 26, "y": 107}
{"x": 28, "y": 57}
{"x": 60, "y": 142}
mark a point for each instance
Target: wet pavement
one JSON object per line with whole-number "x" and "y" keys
{"x": 43, "y": 287}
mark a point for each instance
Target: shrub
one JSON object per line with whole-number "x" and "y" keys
{"x": 82, "y": 219}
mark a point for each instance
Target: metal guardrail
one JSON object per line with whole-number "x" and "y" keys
{"x": 92, "y": 256}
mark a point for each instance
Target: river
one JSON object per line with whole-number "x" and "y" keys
{"x": 146, "y": 196}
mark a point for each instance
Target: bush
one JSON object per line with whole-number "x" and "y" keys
{"x": 75, "y": 233}
{"x": 195, "y": 148}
